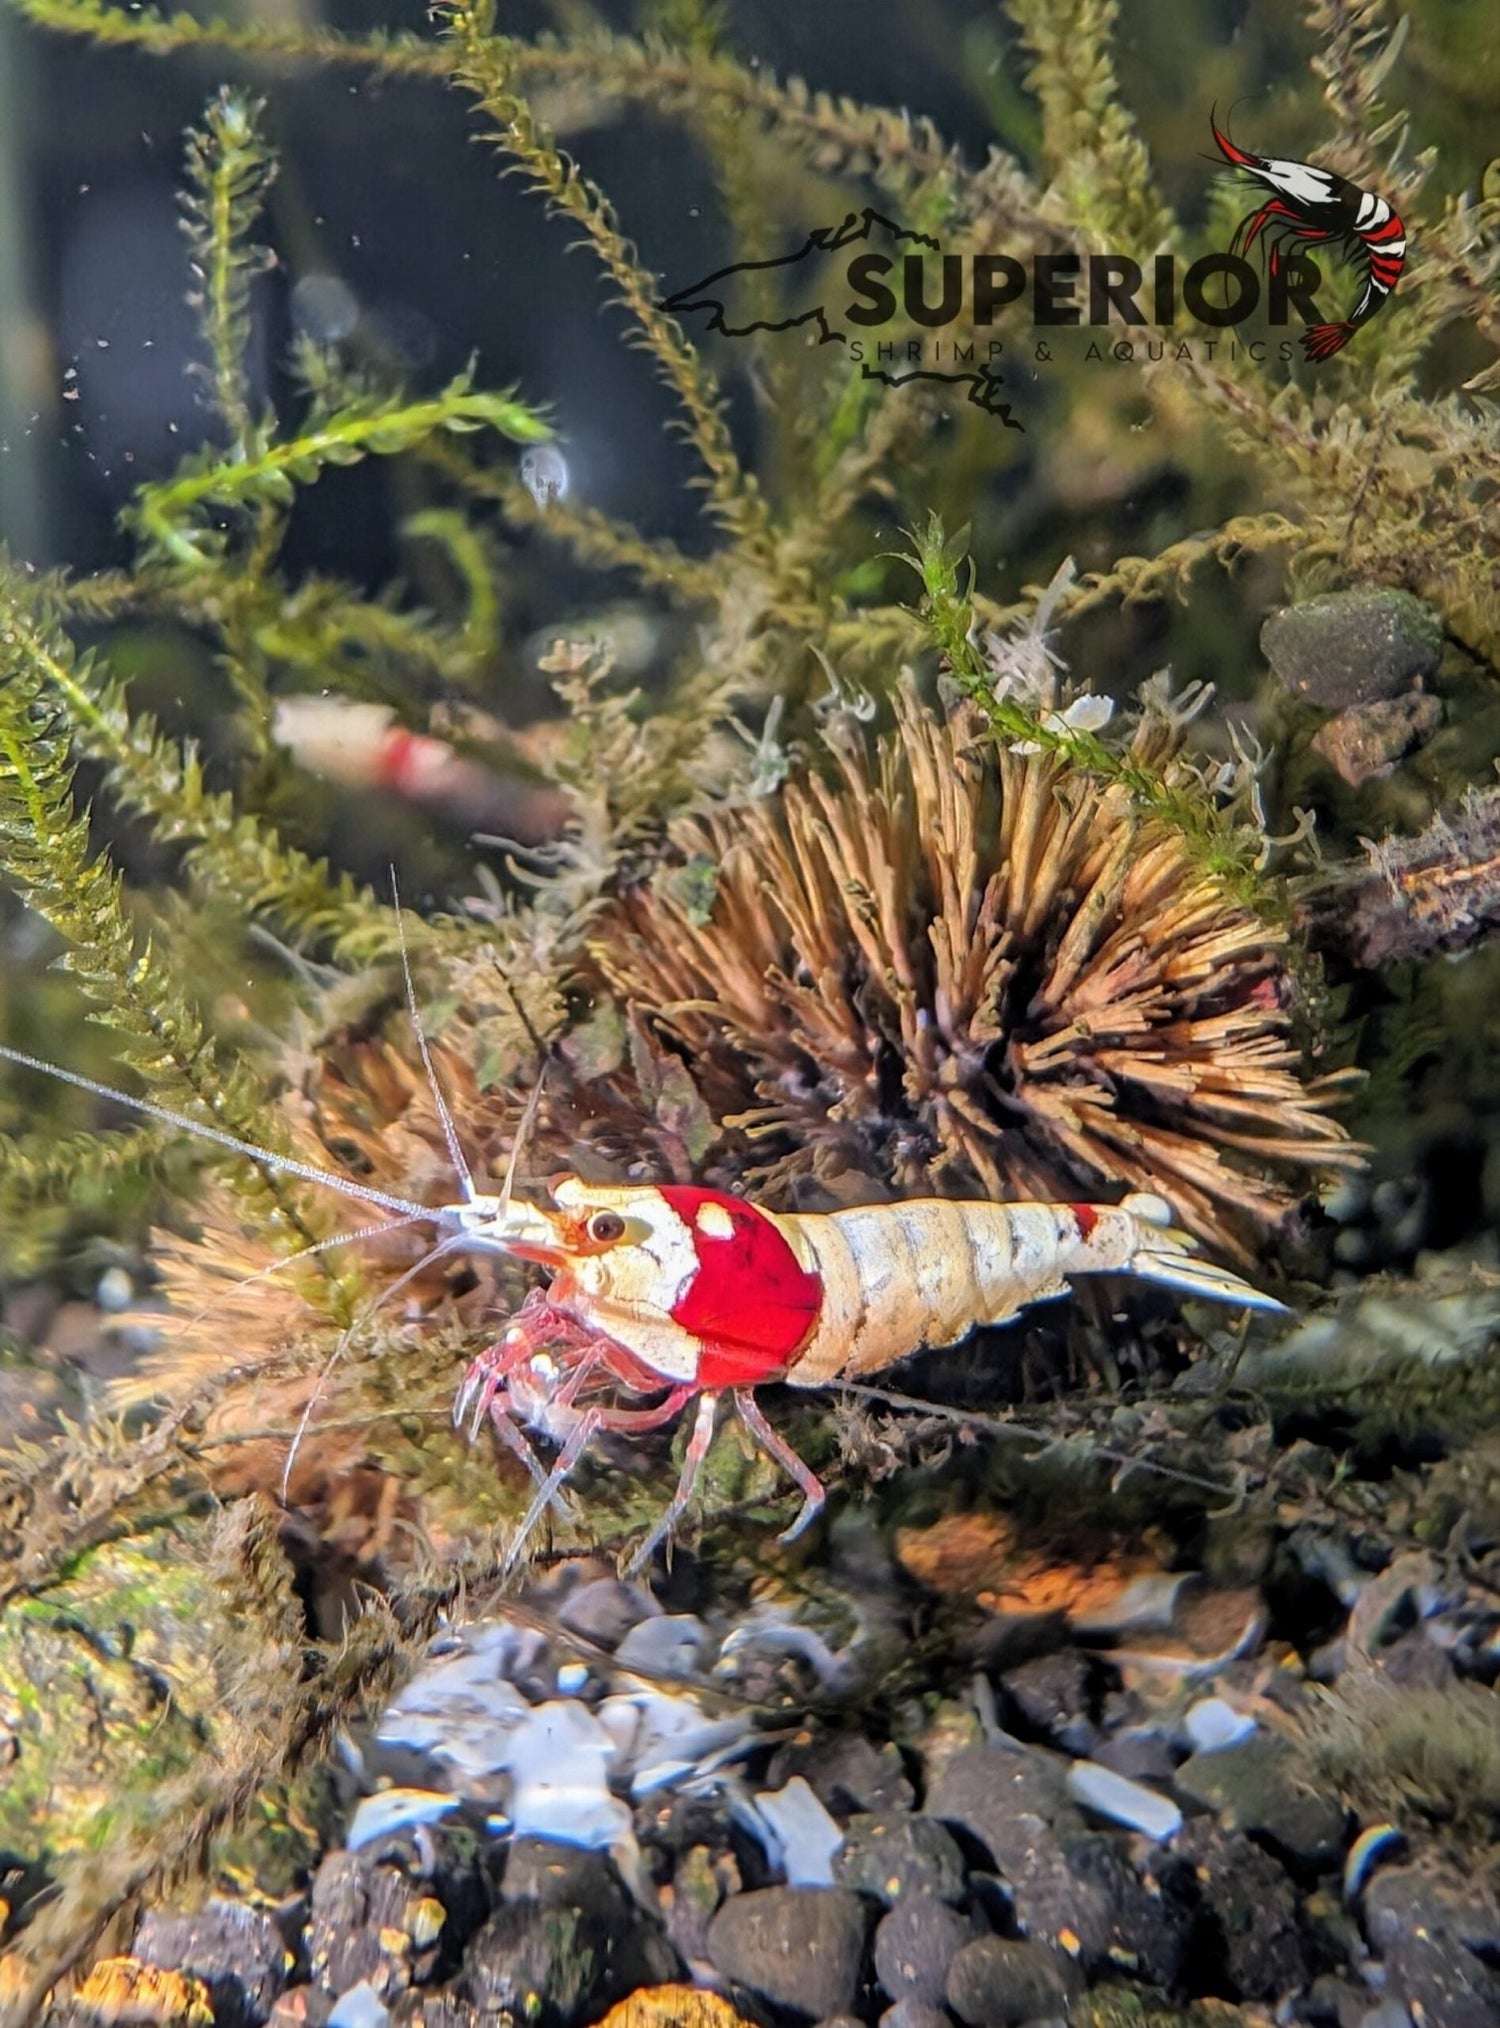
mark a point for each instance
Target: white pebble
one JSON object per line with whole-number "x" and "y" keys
{"x": 392, "y": 1810}
{"x": 115, "y": 1292}
{"x": 360, "y": 2007}
{"x": 1347, "y": 1201}
{"x": 559, "y": 1759}
{"x": 1126, "y": 1802}
{"x": 1213, "y": 1724}
{"x": 806, "y": 1836}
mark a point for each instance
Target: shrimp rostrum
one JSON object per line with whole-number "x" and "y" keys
{"x": 664, "y": 1296}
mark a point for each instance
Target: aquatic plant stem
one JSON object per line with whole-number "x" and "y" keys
{"x": 164, "y": 511}
{"x": 484, "y": 66}
{"x": 948, "y": 608}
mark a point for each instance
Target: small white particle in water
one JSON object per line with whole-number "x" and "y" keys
{"x": 544, "y": 474}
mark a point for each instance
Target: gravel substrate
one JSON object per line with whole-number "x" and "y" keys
{"x": 1133, "y": 1827}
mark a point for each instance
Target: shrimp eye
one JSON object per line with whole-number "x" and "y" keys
{"x": 606, "y": 1227}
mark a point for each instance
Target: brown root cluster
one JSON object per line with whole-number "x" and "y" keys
{"x": 964, "y": 969}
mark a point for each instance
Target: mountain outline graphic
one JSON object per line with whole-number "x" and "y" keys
{"x": 715, "y": 292}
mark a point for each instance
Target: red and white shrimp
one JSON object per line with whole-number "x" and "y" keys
{"x": 696, "y": 1294}
{"x": 686, "y": 1294}
{"x": 1308, "y": 206}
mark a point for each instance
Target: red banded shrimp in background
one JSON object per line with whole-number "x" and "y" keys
{"x": 1312, "y": 207}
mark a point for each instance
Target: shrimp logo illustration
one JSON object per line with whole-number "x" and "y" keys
{"x": 1309, "y": 207}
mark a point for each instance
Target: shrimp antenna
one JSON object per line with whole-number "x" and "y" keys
{"x": 345, "y": 1339}
{"x": 289, "y": 1260}
{"x": 329, "y": 1179}
{"x": 523, "y": 1134}
{"x": 450, "y": 1132}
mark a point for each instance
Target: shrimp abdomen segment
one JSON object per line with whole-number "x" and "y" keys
{"x": 900, "y": 1277}
{"x": 897, "y": 1277}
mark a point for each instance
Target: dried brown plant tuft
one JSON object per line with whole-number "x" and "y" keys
{"x": 964, "y": 969}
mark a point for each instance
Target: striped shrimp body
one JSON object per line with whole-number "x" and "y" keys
{"x": 694, "y": 1294}
{"x": 1308, "y": 206}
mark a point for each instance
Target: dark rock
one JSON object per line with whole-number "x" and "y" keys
{"x": 354, "y": 1903}
{"x": 1362, "y": 745}
{"x": 1353, "y": 647}
{"x": 700, "y": 1881}
{"x": 1417, "y": 1663}
{"x": 1435, "y": 1897}
{"x": 802, "y": 1948}
{"x": 564, "y": 1876}
{"x": 1006, "y": 1800}
{"x": 238, "y": 1953}
{"x": 1150, "y": 1922}
{"x": 1429, "y": 1923}
{"x": 890, "y": 1856}
{"x": 1057, "y": 1906}
{"x": 914, "y": 1946}
{"x": 1262, "y": 1787}
{"x": 440, "y": 2010}
{"x": 1330, "y": 2000}
{"x": 1052, "y": 1695}
{"x": 846, "y": 1771}
{"x": 1438, "y": 1980}
{"x": 372, "y": 1921}
{"x": 605, "y": 1610}
{"x": 555, "y": 1967}
{"x": 1143, "y": 1754}
{"x": 1248, "y": 1913}
{"x": 995, "y": 1982}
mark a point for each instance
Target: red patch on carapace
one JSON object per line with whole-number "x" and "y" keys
{"x": 751, "y": 1303}
{"x": 1087, "y": 1216}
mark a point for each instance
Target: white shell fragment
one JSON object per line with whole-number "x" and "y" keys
{"x": 559, "y": 1758}
{"x": 1212, "y": 1724}
{"x": 392, "y": 1810}
{"x": 797, "y": 1832}
{"x": 360, "y": 2007}
{"x": 668, "y": 1740}
{"x": 1123, "y": 1801}
{"x": 555, "y": 1738}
